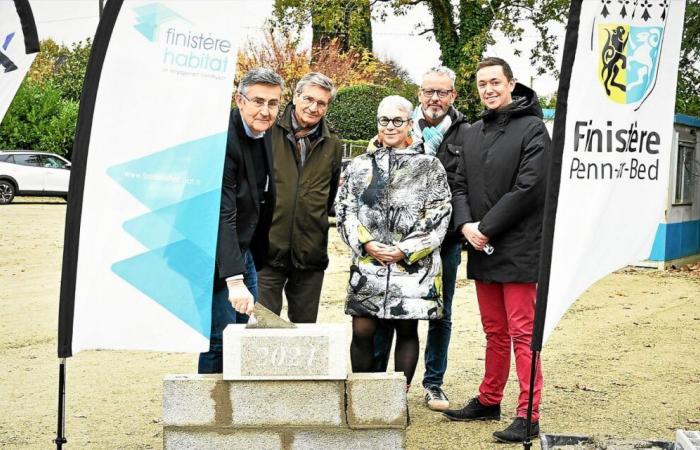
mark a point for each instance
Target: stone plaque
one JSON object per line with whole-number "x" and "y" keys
{"x": 284, "y": 356}
{"x": 308, "y": 352}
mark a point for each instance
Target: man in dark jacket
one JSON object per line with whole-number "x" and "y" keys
{"x": 247, "y": 201}
{"x": 308, "y": 158}
{"x": 443, "y": 131}
{"x": 498, "y": 201}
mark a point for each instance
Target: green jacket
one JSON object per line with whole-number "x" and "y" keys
{"x": 299, "y": 230}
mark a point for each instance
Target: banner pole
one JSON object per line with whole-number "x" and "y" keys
{"x": 61, "y": 426}
{"x": 527, "y": 443}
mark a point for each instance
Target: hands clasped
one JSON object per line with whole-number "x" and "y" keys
{"x": 475, "y": 237}
{"x": 385, "y": 254}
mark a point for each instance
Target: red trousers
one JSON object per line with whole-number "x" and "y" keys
{"x": 507, "y": 315}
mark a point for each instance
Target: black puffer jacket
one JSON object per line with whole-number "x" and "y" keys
{"x": 448, "y": 153}
{"x": 501, "y": 184}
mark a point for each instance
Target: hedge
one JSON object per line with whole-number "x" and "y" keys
{"x": 39, "y": 119}
{"x": 354, "y": 111}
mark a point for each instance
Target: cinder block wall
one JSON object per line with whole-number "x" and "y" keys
{"x": 366, "y": 411}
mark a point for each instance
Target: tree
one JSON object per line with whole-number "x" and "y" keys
{"x": 39, "y": 119}
{"x": 64, "y": 66}
{"x": 688, "y": 96}
{"x": 44, "y": 112}
{"x": 282, "y": 54}
{"x": 348, "y": 22}
{"x": 463, "y": 29}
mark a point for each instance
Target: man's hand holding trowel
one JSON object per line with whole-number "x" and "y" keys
{"x": 244, "y": 303}
{"x": 239, "y": 295}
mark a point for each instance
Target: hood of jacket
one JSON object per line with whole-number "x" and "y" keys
{"x": 525, "y": 103}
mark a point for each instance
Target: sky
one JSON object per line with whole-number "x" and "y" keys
{"x": 396, "y": 38}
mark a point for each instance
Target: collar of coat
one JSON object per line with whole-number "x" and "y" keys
{"x": 286, "y": 122}
{"x": 416, "y": 148}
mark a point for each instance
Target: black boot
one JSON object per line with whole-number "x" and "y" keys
{"x": 474, "y": 411}
{"x": 516, "y": 431}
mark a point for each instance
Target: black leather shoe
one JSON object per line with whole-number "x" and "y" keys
{"x": 474, "y": 411}
{"x": 516, "y": 431}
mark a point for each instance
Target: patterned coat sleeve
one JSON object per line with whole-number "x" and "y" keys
{"x": 431, "y": 228}
{"x": 351, "y": 230}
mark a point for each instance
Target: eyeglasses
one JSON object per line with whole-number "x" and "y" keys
{"x": 396, "y": 121}
{"x": 308, "y": 101}
{"x": 441, "y": 93}
{"x": 260, "y": 103}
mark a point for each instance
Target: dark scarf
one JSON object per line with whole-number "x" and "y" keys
{"x": 303, "y": 138}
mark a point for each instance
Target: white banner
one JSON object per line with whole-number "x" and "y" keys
{"x": 14, "y": 60}
{"x": 152, "y": 185}
{"x": 619, "y": 125}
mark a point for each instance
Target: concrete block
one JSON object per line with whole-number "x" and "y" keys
{"x": 191, "y": 400}
{"x": 203, "y": 439}
{"x": 687, "y": 440}
{"x": 376, "y": 400}
{"x": 287, "y": 403}
{"x": 349, "y": 439}
{"x": 308, "y": 352}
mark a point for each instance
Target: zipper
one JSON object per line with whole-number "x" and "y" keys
{"x": 294, "y": 208}
{"x": 300, "y": 172}
{"x": 386, "y": 223}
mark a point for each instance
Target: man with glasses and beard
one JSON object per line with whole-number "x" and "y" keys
{"x": 442, "y": 129}
{"x": 308, "y": 156}
{"x": 247, "y": 201}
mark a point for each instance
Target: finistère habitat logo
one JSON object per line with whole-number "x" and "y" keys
{"x": 184, "y": 47}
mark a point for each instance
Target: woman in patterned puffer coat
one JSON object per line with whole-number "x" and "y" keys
{"x": 393, "y": 211}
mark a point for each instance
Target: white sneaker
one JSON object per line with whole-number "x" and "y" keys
{"x": 436, "y": 399}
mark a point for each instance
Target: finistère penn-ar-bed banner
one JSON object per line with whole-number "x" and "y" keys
{"x": 142, "y": 218}
{"x": 615, "y": 117}
{"x": 19, "y": 44}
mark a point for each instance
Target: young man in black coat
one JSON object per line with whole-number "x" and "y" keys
{"x": 498, "y": 202}
{"x": 247, "y": 202}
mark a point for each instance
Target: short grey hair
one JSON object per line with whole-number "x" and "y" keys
{"x": 398, "y": 102}
{"x": 443, "y": 70}
{"x": 259, "y": 75}
{"x": 317, "y": 79}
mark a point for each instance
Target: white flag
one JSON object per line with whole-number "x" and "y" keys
{"x": 617, "y": 142}
{"x": 142, "y": 218}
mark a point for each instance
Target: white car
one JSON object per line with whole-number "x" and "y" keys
{"x": 32, "y": 173}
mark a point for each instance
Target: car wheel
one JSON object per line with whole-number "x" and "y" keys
{"x": 7, "y": 192}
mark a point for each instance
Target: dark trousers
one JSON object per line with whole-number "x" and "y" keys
{"x": 301, "y": 287}
{"x": 222, "y": 314}
{"x": 439, "y": 330}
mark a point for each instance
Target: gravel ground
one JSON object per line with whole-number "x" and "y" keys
{"x": 624, "y": 362}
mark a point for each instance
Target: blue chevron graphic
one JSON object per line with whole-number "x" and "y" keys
{"x": 180, "y": 221}
{"x": 8, "y": 39}
{"x": 179, "y": 277}
{"x": 175, "y": 174}
{"x": 151, "y": 16}
{"x": 181, "y": 185}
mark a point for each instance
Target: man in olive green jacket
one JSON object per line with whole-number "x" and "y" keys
{"x": 307, "y": 159}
